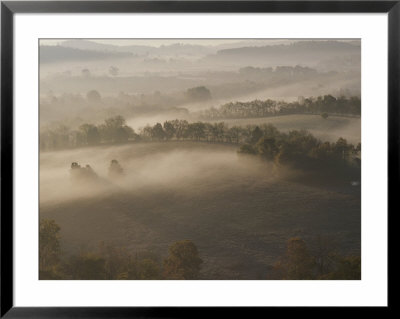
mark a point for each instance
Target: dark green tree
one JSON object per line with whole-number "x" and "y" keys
{"x": 169, "y": 130}
{"x": 86, "y": 266}
{"x": 93, "y": 96}
{"x": 157, "y": 132}
{"x": 49, "y": 247}
{"x": 183, "y": 261}
{"x": 91, "y": 133}
{"x": 247, "y": 149}
{"x": 267, "y": 148}
{"x": 347, "y": 268}
{"x": 297, "y": 263}
{"x": 256, "y": 134}
{"x": 199, "y": 93}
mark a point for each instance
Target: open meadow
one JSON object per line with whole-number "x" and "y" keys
{"x": 239, "y": 211}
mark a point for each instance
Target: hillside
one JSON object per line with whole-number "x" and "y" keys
{"x": 239, "y": 213}
{"x": 329, "y": 129}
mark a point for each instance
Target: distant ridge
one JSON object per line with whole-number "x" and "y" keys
{"x": 311, "y": 53}
{"x": 295, "y": 48}
{"x": 59, "y": 53}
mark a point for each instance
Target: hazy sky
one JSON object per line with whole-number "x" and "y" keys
{"x": 159, "y": 42}
{"x": 208, "y": 42}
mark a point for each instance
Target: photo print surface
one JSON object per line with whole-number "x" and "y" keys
{"x": 200, "y": 159}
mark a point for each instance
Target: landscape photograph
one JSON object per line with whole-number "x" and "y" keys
{"x": 199, "y": 159}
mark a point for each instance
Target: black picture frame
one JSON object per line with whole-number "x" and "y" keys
{"x": 9, "y": 8}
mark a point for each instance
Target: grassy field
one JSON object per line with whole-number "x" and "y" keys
{"x": 329, "y": 129}
{"x": 238, "y": 211}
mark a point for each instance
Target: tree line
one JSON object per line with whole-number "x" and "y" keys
{"x": 109, "y": 262}
{"x": 319, "y": 261}
{"x": 322, "y": 104}
{"x": 114, "y": 131}
{"x": 300, "y": 149}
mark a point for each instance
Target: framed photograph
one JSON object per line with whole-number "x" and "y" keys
{"x": 181, "y": 158}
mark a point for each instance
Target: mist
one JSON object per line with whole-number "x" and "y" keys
{"x": 237, "y": 146}
{"x": 179, "y": 167}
